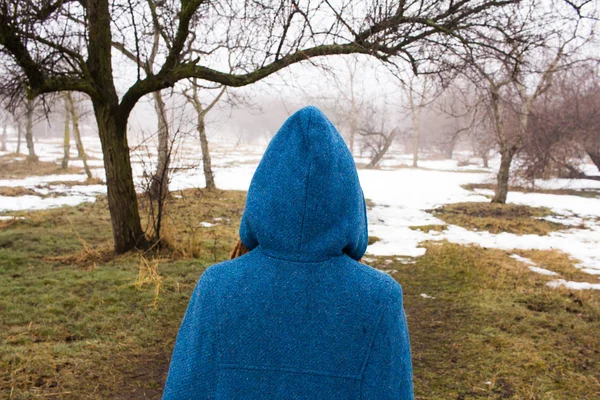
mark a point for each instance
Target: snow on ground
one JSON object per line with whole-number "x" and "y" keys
{"x": 30, "y": 202}
{"x": 574, "y": 285}
{"x": 532, "y": 266}
{"x": 401, "y": 195}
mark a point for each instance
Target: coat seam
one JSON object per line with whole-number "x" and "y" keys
{"x": 266, "y": 254}
{"x": 287, "y": 369}
{"x": 306, "y": 188}
{"x": 370, "y": 349}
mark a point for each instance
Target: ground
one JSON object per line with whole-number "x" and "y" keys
{"x": 81, "y": 323}
{"x": 502, "y": 301}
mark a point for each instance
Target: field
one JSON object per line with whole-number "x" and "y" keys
{"x": 500, "y": 300}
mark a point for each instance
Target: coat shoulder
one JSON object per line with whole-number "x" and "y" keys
{"x": 379, "y": 282}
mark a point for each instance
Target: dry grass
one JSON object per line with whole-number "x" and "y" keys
{"x": 15, "y": 191}
{"x": 428, "y": 228}
{"x": 497, "y": 218}
{"x": 81, "y": 323}
{"x": 148, "y": 274}
{"x": 494, "y": 330}
{"x": 592, "y": 193}
{"x": 557, "y": 261}
{"x": 182, "y": 234}
{"x": 15, "y": 168}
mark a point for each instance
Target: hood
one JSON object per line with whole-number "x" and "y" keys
{"x": 305, "y": 202}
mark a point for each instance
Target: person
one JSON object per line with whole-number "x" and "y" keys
{"x": 297, "y": 316}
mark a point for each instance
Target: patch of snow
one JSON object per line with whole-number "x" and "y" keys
{"x": 207, "y": 224}
{"x": 32, "y": 181}
{"x": 565, "y": 220}
{"x": 542, "y": 271}
{"x": 9, "y": 217}
{"x": 591, "y": 271}
{"x": 524, "y": 260}
{"x": 401, "y": 196}
{"x": 426, "y": 296}
{"x": 574, "y": 285}
{"x": 20, "y": 203}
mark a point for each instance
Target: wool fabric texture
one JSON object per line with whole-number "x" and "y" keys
{"x": 298, "y": 317}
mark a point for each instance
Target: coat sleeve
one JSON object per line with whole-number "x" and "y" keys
{"x": 388, "y": 370}
{"x": 193, "y": 370}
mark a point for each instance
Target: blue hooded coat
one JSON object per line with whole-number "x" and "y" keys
{"x": 298, "y": 317}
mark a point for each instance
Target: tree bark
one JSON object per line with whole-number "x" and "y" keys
{"x": 67, "y": 138}
{"x": 3, "y": 146}
{"x": 206, "y": 161}
{"x": 506, "y": 157}
{"x": 19, "y": 134}
{"x": 111, "y": 119}
{"x": 122, "y": 199}
{"x": 159, "y": 186}
{"x": 29, "y": 131}
{"x": 77, "y": 133}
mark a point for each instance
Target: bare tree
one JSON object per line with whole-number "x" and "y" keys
{"x": 19, "y": 135}
{"x": 59, "y": 45}
{"x": 417, "y": 91}
{"x": 72, "y": 111}
{"x": 376, "y": 137}
{"x": 512, "y": 72}
{"x": 67, "y": 135}
{"x": 564, "y": 126}
{"x": 3, "y": 142}
{"x": 350, "y": 101}
{"x": 201, "y": 112}
{"x": 4, "y": 120}
{"x": 29, "y": 114}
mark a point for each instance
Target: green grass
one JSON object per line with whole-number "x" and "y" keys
{"x": 75, "y": 324}
{"x": 497, "y": 218}
{"x": 78, "y": 322}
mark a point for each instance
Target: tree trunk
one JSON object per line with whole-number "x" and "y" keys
{"x": 67, "y": 138}
{"x": 592, "y": 148}
{"x": 416, "y": 150}
{"x": 485, "y": 158}
{"x": 159, "y": 186}
{"x": 19, "y": 134}
{"x": 29, "y": 131}
{"x": 3, "y": 146}
{"x": 379, "y": 156}
{"x": 206, "y": 162}
{"x": 595, "y": 158}
{"x": 77, "y": 133}
{"x": 503, "y": 177}
{"x": 122, "y": 199}
{"x": 353, "y": 122}
{"x": 352, "y": 135}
